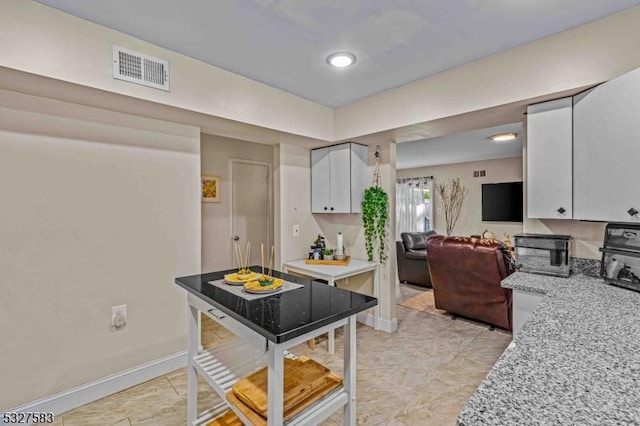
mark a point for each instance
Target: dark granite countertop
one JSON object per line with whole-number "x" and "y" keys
{"x": 574, "y": 362}
{"x": 281, "y": 316}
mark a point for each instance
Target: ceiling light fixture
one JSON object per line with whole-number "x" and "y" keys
{"x": 341, "y": 59}
{"x": 503, "y": 137}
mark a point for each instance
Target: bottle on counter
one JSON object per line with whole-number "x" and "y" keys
{"x": 613, "y": 268}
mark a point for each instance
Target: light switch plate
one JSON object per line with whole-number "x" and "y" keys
{"x": 296, "y": 230}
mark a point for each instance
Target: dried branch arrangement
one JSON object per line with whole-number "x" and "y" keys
{"x": 452, "y": 195}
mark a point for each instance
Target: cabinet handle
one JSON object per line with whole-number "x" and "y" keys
{"x": 561, "y": 210}
{"x": 632, "y": 212}
{"x": 216, "y": 313}
{"x": 331, "y": 208}
{"x": 325, "y": 208}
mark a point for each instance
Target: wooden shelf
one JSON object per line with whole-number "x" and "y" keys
{"x": 224, "y": 365}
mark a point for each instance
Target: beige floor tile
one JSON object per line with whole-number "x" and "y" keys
{"x": 207, "y": 398}
{"x": 421, "y": 375}
{"x": 436, "y": 404}
{"x": 114, "y": 408}
{"x": 174, "y": 414}
{"x": 487, "y": 347}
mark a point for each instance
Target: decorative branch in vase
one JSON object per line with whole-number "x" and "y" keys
{"x": 452, "y": 195}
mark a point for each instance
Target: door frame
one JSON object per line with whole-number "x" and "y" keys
{"x": 232, "y": 161}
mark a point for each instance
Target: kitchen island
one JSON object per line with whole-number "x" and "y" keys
{"x": 267, "y": 326}
{"x": 574, "y": 362}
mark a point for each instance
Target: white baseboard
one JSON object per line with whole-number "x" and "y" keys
{"x": 390, "y": 326}
{"x": 75, "y": 397}
{"x": 365, "y": 318}
{"x": 385, "y": 325}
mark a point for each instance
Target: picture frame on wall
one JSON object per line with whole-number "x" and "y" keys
{"x": 210, "y": 189}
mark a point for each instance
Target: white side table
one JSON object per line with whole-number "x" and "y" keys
{"x": 331, "y": 273}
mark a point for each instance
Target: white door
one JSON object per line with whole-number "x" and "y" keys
{"x": 250, "y": 209}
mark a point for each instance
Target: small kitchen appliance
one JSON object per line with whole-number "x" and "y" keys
{"x": 546, "y": 254}
{"x": 620, "y": 264}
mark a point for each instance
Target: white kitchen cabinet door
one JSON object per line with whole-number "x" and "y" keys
{"x": 359, "y": 176}
{"x": 340, "y": 156}
{"x": 320, "y": 180}
{"x": 549, "y": 158}
{"x": 607, "y": 150}
{"x": 338, "y": 178}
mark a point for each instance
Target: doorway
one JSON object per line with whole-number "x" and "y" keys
{"x": 250, "y": 208}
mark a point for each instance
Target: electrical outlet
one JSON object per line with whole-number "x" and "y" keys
{"x": 296, "y": 230}
{"x": 119, "y": 316}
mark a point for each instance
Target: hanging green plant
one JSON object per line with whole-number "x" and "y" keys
{"x": 374, "y": 215}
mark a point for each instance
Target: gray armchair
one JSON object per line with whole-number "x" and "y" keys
{"x": 411, "y": 253}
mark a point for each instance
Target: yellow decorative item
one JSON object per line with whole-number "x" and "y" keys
{"x": 255, "y": 286}
{"x": 210, "y": 189}
{"x": 507, "y": 242}
{"x": 239, "y": 279}
{"x": 488, "y": 235}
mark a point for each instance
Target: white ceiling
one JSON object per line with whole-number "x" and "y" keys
{"x": 284, "y": 43}
{"x": 459, "y": 148}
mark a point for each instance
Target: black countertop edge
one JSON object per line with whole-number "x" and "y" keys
{"x": 276, "y": 338}
{"x": 231, "y": 313}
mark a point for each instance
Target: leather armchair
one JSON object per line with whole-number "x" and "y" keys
{"x": 411, "y": 252}
{"x": 466, "y": 275}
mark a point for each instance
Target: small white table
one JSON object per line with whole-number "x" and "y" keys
{"x": 331, "y": 273}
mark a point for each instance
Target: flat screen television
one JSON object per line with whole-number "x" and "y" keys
{"x": 502, "y": 202}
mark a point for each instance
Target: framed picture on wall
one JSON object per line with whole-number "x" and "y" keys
{"x": 210, "y": 189}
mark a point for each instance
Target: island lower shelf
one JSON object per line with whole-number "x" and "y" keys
{"x": 266, "y": 327}
{"x": 224, "y": 365}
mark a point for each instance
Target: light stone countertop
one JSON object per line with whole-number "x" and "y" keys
{"x": 576, "y": 361}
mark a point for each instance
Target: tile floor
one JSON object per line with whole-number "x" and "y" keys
{"x": 421, "y": 375}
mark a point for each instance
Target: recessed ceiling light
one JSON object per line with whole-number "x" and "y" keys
{"x": 503, "y": 137}
{"x": 341, "y": 59}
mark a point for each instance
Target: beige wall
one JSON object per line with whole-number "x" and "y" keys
{"x": 582, "y": 56}
{"x": 293, "y": 206}
{"x": 293, "y": 202}
{"x": 44, "y": 41}
{"x": 216, "y": 152}
{"x": 587, "y": 236}
{"x": 93, "y": 215}
{"x": 470, "y": 222}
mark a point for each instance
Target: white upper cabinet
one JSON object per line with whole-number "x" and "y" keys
{"x": 607, "y": 150}
{"x": 338, "y": 178}
{"x": 549, "y": 157}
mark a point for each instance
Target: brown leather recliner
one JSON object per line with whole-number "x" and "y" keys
{"x": 411, "y": 252}
{"x": 466, "y": 275}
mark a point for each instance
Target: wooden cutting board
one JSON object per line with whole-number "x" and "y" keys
{"x": 328, "y": 262}
{"x": 229, "y": 418}
{"x": 302, "y": 376}
{"x": 333, "y": 381}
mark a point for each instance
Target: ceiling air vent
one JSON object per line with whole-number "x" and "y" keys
{"x": 139, "y": 68}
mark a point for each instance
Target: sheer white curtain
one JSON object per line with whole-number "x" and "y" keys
{"x": 411, "y": 209}
{"x": 428, "y": 204}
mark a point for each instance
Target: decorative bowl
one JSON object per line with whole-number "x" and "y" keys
{"x": 265, "y": 280}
